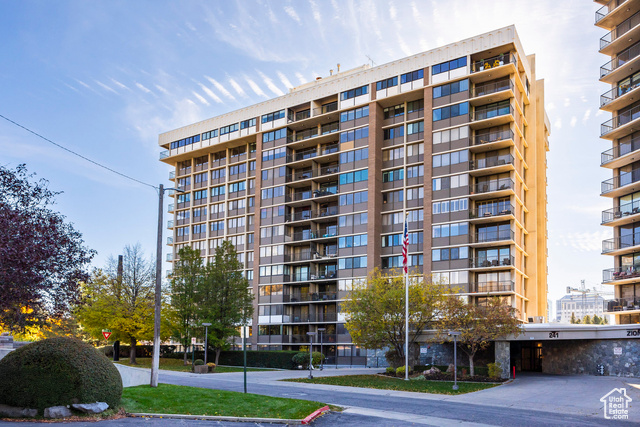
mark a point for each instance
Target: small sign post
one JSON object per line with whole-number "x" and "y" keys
{"x": 106, "y": 333}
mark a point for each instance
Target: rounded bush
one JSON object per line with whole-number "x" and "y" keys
{"x": 198, "y": 362}
{"x": 391, "y": 370}
{"x": 401, "y": 371}
{"x": 58, "y": 371}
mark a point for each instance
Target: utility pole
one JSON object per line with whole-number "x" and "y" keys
{"x": 155, "y": 362}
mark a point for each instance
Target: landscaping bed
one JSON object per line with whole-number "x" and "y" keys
{"x": 177, "y": 365}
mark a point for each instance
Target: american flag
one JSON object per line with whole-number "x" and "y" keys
{"x": 405, "y": 245}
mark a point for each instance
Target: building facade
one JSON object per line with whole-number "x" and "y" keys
{"x": 622, "y": 45}
{"x": 579, "y": 306}
{"x": 313, "y": 187}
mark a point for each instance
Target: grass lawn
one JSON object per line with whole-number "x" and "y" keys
{"x": 388, "y": 383}
{"x": 177, "y": 365}
{"x": 175, "y": 399}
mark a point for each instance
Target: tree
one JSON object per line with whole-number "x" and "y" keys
{"x": 186, "y": 278}
{"x": 123, "y": 304}
{"x": 573, "y": 318}
{"x": 375, "y": 311}
{"x": 597, "y": 320}
{"x": 223, "y": 298}
{"x": 42, "y": 258}
{"x": 478, "y": 324}
{"x": 586, "y": 320}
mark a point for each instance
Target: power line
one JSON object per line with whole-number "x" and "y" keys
{"x": 79, "y": 155}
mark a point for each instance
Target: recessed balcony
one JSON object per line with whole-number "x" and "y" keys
{"x": 624, "y": 64}
{"x": 626, "y": 182}
{"x": 493, "y": 67}
{"x": 492, "y": 116}
{"x": 492, "y": 262}
{"x": 487, "y": 141}
{"x": 488, "y": 92}
{"x": 310, "y": 297}
{"x": 330, "y": 232}
{"x": 614, "y": 41}
{"x": 315, "y": 173}
{"x": 621, "y": 275}
{"x": 624, "y": 306}
{"x": 491, "y": 165}
{"x": 501, "y": 286}
{"x": 490, "y": 189}
{"x": 623, "y": 214}
{"x": 620, "y": 155}
{"x": 621, "y": 245}
{"x": 310, "y": 318}
{"x": 491, "y": 213}
{"x": 485, "y": 238}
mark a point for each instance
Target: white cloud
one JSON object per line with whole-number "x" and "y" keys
{"x": 550, "y": 106}
{"x": 300, "y": 78}
{"x": 292, "y": 13}
{"x": 316, "y": 12}
{"x": 210, "y": 93}
{"x": 237, "y": 87}
{"x": 120, "y": 85}
{"x": 272, "y": 87}
{"x": 161, "y": 89}
{"x": 587, "y": 113}
{"x": 574, "y": 121}
{"x": 558, "y": 123}
{"x": 567, "y": 102}
{"x": 393, "y": 12}
{"x": 256, "y": 89}
{"x": 143, "y": 88}
{"x": 284, "y": 80}
{"x": 200, "y": 98}
{"x": 223, "y": 90}
{"x": 105, "y": 87}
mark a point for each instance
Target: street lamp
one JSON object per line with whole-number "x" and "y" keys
{"x": 155, "y": 362}
{"x": 321, "y": 330}
{"x": 311, "y": 334}
{"x": 206, "y": 340}
{"x": 455, "y": 335}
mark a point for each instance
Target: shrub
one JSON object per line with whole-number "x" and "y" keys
{"x": 495, "y": 370}
{"x": 419, "y": 378}
{"x": 400, "y": 371}
{"x": 302, "y": 358}
{"x": 258, "y": 359}
{"x": 58, "y": 371}
{"x": 141, "y": 350}
{"x": 198, "y": 362}
{"x": 391, "y": 370}
{"x": 212, "y": 366}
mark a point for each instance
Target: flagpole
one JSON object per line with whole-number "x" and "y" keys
{"x": 406, "y": 297}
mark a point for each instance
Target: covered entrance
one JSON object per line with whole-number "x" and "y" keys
{"x": 527, "y": 356}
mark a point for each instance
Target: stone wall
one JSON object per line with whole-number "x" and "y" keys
{"x": 575, "y": 357}
{"x": 503, "y": 356}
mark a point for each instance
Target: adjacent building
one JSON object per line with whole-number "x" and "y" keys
{"x": 313, "y": 187}
{"x": 579, "y": 306}
{"x": 622, "y": 73}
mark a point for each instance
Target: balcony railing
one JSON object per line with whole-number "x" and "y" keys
{"x": 620, "y": 120}
{"x": 314, "y": 234}
{"x": 170, "y": 240}
{"x": 490, "y": 162}
{"x": 491, "y": 211}
{"x": 170, "y": 223}
{"x": 305, "y": 318}
{"x": 170, "y": 207}
{"x": 625, "y": 178}
{"x": 623, "y": 304}
{"x": 327, "y": 170}
{"x": 495, "y": 286}
{"x": 616, "y": 92}
{"x": 621, "y": 29}
{"x": 491, "y": 261}
{"x": 301, "y": 115}
{"x": 315, "y": 296}
{"x": 303, "y": 215}
{"x": 492, "y": 87}
{"x": 490, "y": 186}
{"x": 488, "y": 113}
{"x": 493, "y": 62}
{"x": 172, "y": 174}
{"x": 622, "y": 242}
{"x": 485, "y": 138}
{"x": 620, "y": 150}
{"x": 620, "y": 273}
{"x": 492, "y": 236}
{"x": 604, "y": 10}
{"x": 622, "y": 58}
{"x": 327, "y": 108}
{"x": 621, "y": 211}
{"x": 164, "y": 154}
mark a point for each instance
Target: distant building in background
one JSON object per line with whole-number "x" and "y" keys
{"x": 589, "y": 305}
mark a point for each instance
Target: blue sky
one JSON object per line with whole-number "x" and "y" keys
{"x": 105, "y": 78}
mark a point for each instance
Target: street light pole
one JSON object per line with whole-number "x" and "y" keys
{"x": 206, "y": 340}
{"x": 455, "y": 358}
{"x": 311, "y": 334}
{"x": 321, "y": 330}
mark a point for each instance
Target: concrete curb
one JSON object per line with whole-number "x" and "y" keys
{"x": 315, "y": 414}
{"x": 307, "y": 420}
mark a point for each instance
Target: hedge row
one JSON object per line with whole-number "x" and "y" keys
{"x": 141, "y": 350}
{"x": 479, "y": 370}
{"x": 258, "y": 359}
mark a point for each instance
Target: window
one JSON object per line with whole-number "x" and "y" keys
{"x": 394, "y": 132}
{"x": 269, "y": 251}
{"x": 199, "y": 178}
{"x": 184, "y": 197}
{"x": 396, "y": 261}
{"x": 395, "y": 111}
{"x": 236, "y": 204}
{"x": 235, "y": 222}
{"x": 182, "y": 231}
{"x": 229, "y": 129}
{"x": 273, "y": 231}
{"x": 183, "y": 182}
{"x": 269, "y": 193}
{"x": 414, "y": 106}
{"x": 393, "y": 218}
{"x": 446, "y": 230}
{"x": 451, "y": 111}
{"x": 447, "y": 254}
{"x": 451, "y": 158}
{"x": 413, "y": 150}
{"x": 451, "y": 206}
{"x": 383, "y": 84}
{"x": 353, "y": 198}
{"x": 415, "y": 193}
{"x": 415, "y": 171}
{"x": 451, "y": 135}
{"x": 352, "y": 241}
{"x": 416, "y": 127}
{"x": 357, "y": 176}
{"x": 199, "y": 228}
{"x": 185, "y": 141}
{"x": 449, "y": 65}
{"x": 393, "y": 175}
{"x": 248, "y": 123}
{"x": 353, "y": 156}
{"x": 451, "y": 88}
{"x": 414, "y": 75}
{"x": 217, "y": 208}
{"x": 351, "y": 220}
{"x": 355, "y": 262}
{"x": 352, "y": 135}
{"x": 274, "y": 135}
{"x": 238, "y": 151}
{"x": 220, "y": 155}
{"x": 416, "y": 215}
{"x": 393, "y": 196}
{"x": 277, "y": 153}
{"x": 217, "y": 225}
{"x": 200, "y": 194}
{"x": 454, "y": 181}
{"x": 200, "y": 214}
{"x": 210, "y": 134}
{"x": 273, "y": 116}
{"x": 252, "y": 165}
{"x": 354, "y": 114}
{"x": 238, "y": 169}
{"x": 203, "y": 161}
{"x": 393, "y": 154}
{"x": 415, "y": 238}
{"x": 451, "y": 277}
{"x": 217, "y": 191}
{"x": 363, "y": 90}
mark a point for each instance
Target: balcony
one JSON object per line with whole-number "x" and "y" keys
{"x": 489, "y": 287}
{"x": 492, "y": 140}
{"x": 329, "y": 232}
{"x": 496, "y": 90}
{"x": 617, "y": 156}
{"x": 315, "y": 173}
{"x": 626, "y": 182}
{"x": 172, "y": 175}
{"x": 487, "y": 212}
{"x": 315, "y": 296}
{"x": 623, "y": 305}
{"x": 621, "y": 274}
{"x": 621, "y": 125}
{"x": 619, "y": 97}
{"x": 170, "y": 240}
{"x": 623, "y": 214}
{"x": 170, "y": 207}
{"x": 326, "y": 108}
{"x": 503, "y": 185}
{"x": 615, "y": 11}
{"x": 164, "y": 154}
{"x": 170, "y": 224}
{"x": 621, "y": 245}
{"x": 310, "y": 318}
{"x": 493, "y": 62}
{"x": 492, "y": 262}
{"x": 613, "y": 71}
{"x": 492, "y": 236}
{"x": 493, "y": 164}
{"x": 308, "y": 215}
{"x": 493, "y": 116}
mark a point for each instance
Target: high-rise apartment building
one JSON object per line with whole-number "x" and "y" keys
{"x": 622, "y": 73}
{"x": 313, "y": 187}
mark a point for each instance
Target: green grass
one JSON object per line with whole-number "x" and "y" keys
{"x": 175, "y": 399}
{"x": 388, "y": 383}
{"x": 177, "y": 365}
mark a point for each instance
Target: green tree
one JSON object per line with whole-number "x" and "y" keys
{"x": 223, "y": 298}
{"x": 586, "y": 320}
{"x": 186, "y": 278}
{"x": 597, "y": 320}
{"x": 478, "y": 324}
{"x": 375, "y": 311}
{"x": 123, "y": 304}
{"x": 573, "y": 318}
